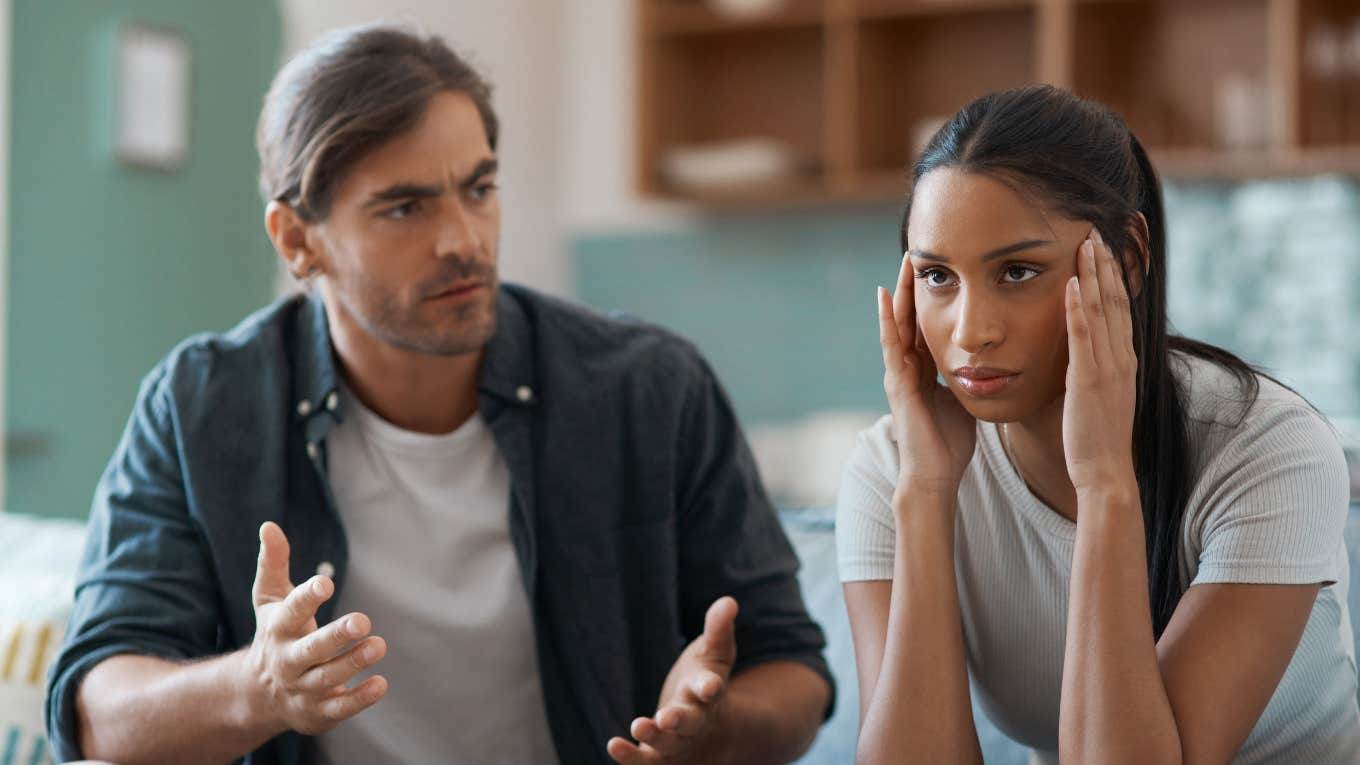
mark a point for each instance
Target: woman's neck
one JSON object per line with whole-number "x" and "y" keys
{"x": 1035, "y": 447}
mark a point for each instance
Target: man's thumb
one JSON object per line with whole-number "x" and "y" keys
{"x": 271, "y": 573}
{"x": 720, "y": 631}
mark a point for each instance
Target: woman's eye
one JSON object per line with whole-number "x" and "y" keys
{"x": 1017, "y": 274}
{"x": 933, "y": 277}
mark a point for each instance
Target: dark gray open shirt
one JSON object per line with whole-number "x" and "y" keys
{"x": 635, "y": 504}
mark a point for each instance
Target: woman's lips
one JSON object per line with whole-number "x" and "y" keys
{"x": 984, "y": 381}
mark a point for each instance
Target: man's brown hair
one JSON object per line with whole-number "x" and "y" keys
{"x": 347, "y": 94}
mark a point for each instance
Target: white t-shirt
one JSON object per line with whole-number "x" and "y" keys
{"x": 1268, "y": 506}
{"x": 427, "y": 518}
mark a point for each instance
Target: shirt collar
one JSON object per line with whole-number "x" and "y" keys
{"x": 507, "y": 371}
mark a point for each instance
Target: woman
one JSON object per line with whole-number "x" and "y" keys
{"x": 1130, "y": 542}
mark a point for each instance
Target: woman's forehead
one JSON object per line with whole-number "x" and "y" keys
{"x": 958, "y": 214}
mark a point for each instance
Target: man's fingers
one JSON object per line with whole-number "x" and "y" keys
{"x": 345, "y": 667}
{"x": 626, "y": 752}
{"x": 652, "y": 736}
{"x": 323, "y": 644}
{"x": 349, "y": 703}
{"x": 720, "y": 632}
{"x": 271, "y": 571}
{"x": 681, "y": 719}
{"x": 705, "y": 687}
{"x": 299, "y": 608}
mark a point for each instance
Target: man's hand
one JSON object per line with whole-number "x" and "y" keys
{"x": 685, "y": 727}
{"x": 298, "y": 672}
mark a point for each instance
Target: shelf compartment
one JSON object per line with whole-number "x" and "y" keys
{"x": 766, "y": 83}
{"x": 914, "y": 72}
{"x": 1185, "y": 74}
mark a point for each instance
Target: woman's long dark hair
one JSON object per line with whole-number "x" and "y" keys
{"x": 1081, "y": 161}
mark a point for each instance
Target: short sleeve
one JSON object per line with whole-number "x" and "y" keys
{"x": 1271, "y": 508}
{"x": 865, "y": 529}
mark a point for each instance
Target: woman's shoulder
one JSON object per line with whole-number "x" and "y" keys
{"x": 1215, "y": 395}
{"x": 1257, "y": 425}
{"x": 873, "y": 459}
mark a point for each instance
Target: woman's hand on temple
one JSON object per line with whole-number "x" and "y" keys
{"x": 1102, "y": 371}
{"x": 935, "y": 435}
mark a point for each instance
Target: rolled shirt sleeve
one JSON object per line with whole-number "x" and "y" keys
{"x": 731, "y": 542}
{"x": 145, "y": 584}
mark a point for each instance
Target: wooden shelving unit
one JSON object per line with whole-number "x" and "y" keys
{"x": 1216, "y": 88}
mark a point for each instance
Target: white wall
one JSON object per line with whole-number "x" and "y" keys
{"x": 598, "y": 145}
{"x": 518, "y": 46}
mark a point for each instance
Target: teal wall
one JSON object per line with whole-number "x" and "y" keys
{"x": 781, "y": 304}
{"x": 109, "y": 266}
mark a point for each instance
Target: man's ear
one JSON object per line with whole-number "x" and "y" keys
{"x": 1141, "y": 254}
{"x": 288, "y": 231}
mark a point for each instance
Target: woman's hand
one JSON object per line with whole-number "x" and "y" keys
{"x": 935, "y": 435}
{"x": 1102, "y": 372}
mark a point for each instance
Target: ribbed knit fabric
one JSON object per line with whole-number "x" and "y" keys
{"x": 1269, "y": 506}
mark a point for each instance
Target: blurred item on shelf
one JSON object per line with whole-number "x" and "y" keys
{"x": 730, "y": 164}
{"x": 1242, "y": 112}
{"x": 1323, "y": 55}
{"x": 746, "y": 8}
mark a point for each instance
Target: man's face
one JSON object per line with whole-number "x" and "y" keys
{"x": 409, "y": 248}
{"x": 991, "y": 273}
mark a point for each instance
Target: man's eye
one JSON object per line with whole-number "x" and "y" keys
{"x": 403, "y": 210}
{"x": 482, "y": 191}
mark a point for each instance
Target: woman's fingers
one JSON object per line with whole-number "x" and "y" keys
{"x": 904, "y": 305}
{"x": 1118, "y": 314}
{"x": 1092, "y": 301}
{"x": 1079, "y": 359}
{"x": 888, "y": 336}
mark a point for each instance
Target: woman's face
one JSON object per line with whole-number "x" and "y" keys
{"x": 991, "y": 267}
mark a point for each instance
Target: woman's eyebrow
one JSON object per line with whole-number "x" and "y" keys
{"x": 999, "y": 252}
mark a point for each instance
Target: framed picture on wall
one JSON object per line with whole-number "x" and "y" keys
{"x": 152, "y": 67}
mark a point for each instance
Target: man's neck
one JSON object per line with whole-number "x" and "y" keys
{"x": 415, "y": 391}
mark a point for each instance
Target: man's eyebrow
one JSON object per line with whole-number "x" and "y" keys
{"x": 403, "y": 191}
{"x": 398, "y": 191}
{"x": 999, "y": 252}
{"x": 486, "y": 167}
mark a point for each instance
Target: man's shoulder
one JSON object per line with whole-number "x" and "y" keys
{"x": 254, "y": 350}
{"x": 597, "y": 341}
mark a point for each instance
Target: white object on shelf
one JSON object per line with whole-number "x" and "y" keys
{"x": 151, "y": 120}
{"x": 728, "y": 163}
{"x": 746, "y": 8}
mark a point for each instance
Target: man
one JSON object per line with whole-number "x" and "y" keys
{"x": 491, "y": 526}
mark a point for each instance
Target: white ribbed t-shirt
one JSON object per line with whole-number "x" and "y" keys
{"x": 427, "y": 518}
{"x": 1268, "y": 506}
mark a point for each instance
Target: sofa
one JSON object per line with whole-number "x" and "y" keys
{"x": 37, "y": 571}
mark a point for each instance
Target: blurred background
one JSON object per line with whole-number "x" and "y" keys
{"x": 733, "y": 169}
